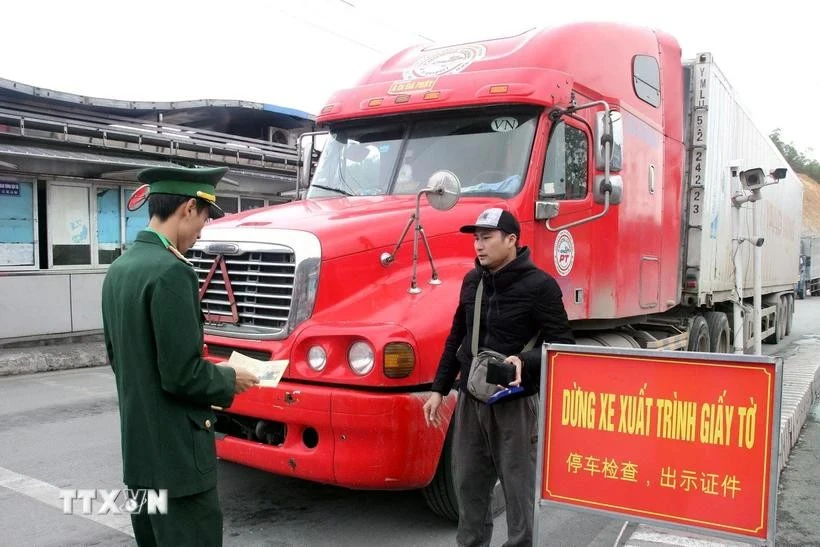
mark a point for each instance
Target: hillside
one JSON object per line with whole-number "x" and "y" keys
{"x": 811, "y": 206}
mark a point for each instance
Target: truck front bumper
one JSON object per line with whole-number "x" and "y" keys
{"x": 341, "y": 436}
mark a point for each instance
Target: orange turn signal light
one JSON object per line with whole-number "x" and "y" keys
{"x": 399, "y": 360}
{"x": 496, "y": 89}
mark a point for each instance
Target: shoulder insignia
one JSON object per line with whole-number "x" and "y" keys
{"x": 179, "y": 255}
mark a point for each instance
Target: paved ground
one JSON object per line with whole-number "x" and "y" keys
{"x": 61, "y": 431}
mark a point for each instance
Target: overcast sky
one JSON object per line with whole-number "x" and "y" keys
{"x": 295, "y": 53}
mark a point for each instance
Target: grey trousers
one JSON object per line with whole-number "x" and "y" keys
{"x": 495, "y": 442}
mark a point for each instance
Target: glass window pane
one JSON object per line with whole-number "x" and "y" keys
{"x": 108, "y": 224}
{"x": 69, "y": 221}
{"x": 16, "y": 223}
{"x": 576, "y": 162}
{"x": 228, "y": 204}
{"x": 251, "y": 203}
{"x": 647, "y": 79}
{"x": 565, "y": 170}
{"x": 554, "y": 179}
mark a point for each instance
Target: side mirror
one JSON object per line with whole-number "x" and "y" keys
{"x": 598, "y": 190}
{"x": 309, "y": 146}
{"x": 545, "y": 210}
{"x": 443, "y": 190}
{"x": 617, "y": 126}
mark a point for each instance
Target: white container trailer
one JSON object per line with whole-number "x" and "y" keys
{"x": 721, "y": 141}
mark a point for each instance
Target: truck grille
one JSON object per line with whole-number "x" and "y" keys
{"x": 262, "y": 285}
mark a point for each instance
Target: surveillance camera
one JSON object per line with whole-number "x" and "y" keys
{"x": 758, "y": 241}
{"x": 779, "y": 173}
{"x": 753, "y": 179}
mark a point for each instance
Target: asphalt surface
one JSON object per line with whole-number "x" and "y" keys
{"x": 60, "y": 430}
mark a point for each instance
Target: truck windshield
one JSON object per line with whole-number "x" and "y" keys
{"x": 487, "y": 150}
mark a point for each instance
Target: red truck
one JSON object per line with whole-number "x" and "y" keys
{"x": 620, "y": 161}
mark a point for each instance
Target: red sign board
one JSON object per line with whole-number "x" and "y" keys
{"x": 673, "y": 438}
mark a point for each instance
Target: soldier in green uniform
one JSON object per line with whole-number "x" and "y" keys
{"x": 153, "y": 337}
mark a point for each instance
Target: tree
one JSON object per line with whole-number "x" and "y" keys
{"x": 798, "y": 161}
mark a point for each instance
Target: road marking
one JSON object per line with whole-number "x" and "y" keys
{"x": 50, "y": 495}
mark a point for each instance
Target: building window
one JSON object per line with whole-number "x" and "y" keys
{"x": 235, "y": 204}
{"x": 17, "y": 223}
{"x": 69, "y": 221}
{"x": 566, "y": 165}
{"x": 246, "y": 204}
{"x": 646, "y": 79}
{"x": 109, "y": 242}
{"x": 228, "y": 204}
{"x": 86, "y": 231}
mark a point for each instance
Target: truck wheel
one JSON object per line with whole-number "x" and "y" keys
{"x": 718, "y": 325}
{"x": 779, "y": 317}
{"x": 698, "y": 334}
{"x": 440, "y": 494}
{"x": 789, "y": 313}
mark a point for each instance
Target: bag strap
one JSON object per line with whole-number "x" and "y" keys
{"x": 531, "y": 343}
{"x": 477, "y": 316}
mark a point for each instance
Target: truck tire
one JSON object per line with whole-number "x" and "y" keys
{"x": 719, "y": 333}
{"x": 698, "y": 334}
{"x": 779, "y": 316}
{"x": 789, "y": 313}
{"x": 440, "y": 494}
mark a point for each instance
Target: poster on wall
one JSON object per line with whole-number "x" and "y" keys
{"x": 69, "y": 224}
{"x": 16, "y": 224}
{"x": 9, "y": 188}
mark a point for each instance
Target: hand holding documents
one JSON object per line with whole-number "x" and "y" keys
{"x": 268, "y": 372}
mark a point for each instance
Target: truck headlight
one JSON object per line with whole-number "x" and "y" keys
{"x": 305, "y": 284}
{"x": 360, "y": 356}
{"x": 317, "y": 358}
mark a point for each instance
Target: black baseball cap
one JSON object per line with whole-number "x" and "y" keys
{"x": 494, "y": 218}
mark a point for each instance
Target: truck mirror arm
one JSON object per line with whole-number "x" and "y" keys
{"x": 607, "y": 193}
{"x": 606, "y": 188}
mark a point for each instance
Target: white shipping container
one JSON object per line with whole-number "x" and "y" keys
{"x": 720, "y": 135}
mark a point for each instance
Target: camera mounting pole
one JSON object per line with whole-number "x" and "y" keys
{"x": 751, "y": 180}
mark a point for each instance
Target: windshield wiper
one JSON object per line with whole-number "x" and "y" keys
{"x": 330, "y": 188}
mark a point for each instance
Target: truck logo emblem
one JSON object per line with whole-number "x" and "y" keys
{"x": 448, "y": 61}
{"x": 222, "y": 249}
{"x": 564, "y": 253}
{"x": 233, "y": 318}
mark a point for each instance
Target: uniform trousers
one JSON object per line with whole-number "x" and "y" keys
{"x": 194, "y": 521}
{"x": 491, "y": 443}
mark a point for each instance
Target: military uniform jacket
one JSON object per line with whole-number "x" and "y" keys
{"x": 153, "y": 337}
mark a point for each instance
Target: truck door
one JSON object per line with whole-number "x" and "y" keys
{"x": 565, "y": 178}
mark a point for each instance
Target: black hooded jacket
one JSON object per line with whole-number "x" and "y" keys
{"x": 519, "y": 300}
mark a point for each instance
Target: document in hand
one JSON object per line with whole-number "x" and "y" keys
{"x": 268, "y": 372}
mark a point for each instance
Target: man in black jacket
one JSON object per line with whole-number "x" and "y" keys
{"x": 520, "y": 302}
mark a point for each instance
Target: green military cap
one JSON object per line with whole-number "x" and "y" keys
{"x": 195, "y": 182}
